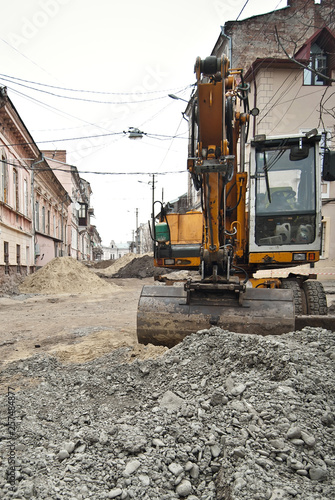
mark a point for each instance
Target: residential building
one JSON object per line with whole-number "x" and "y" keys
{"x": 83, "y": 240}
{"x": 84, "y": 214}
{"x": 44, "y": 204}
{"x": 51, "y": 202}
{"x": 292, "y": 99}
{"x": 33, "y": 203}
{"x": 96, "y": 243}
{"x": 268, "y": 35}
{"x": 115, "y": 250}
{"x": 18, "y": 153}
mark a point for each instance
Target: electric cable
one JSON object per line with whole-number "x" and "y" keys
{"x": 96, "y": 91}
{"x": 85, "y": 100}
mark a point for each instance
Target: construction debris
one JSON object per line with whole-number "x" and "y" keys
{"x": 64, "y": 275}
{"x": 133, "y": 266}
{"x": 220, "y": 416}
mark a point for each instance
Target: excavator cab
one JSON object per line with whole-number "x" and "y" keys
{"x": 285, "y": 201}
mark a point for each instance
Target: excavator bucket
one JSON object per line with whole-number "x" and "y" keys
{"x": 167, "y": 314}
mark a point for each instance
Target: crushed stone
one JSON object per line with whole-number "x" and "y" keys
{"x": 65, "y": 275}
{"x": 219, "y": 416}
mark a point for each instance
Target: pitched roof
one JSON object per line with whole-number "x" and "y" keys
{"x": 323, "y": 37}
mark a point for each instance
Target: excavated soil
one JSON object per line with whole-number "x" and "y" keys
{"x": 133, "y": 266}
{"x": 64, "y": 275}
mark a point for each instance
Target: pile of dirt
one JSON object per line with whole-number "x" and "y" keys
{"x": 141, "y": 267}
{"x": 117, "y": 264}
{"x": 133, "y": 266}
{"x": 100, "y": 264}
{"x": 64, "y": 275}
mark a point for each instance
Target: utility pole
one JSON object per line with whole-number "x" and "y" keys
{"x": 153, "y": 212}
{"x": 33, "y": 214}
{"x": 137, "y": 233}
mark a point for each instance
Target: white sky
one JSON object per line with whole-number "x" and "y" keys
{"x": 134, "y": 51}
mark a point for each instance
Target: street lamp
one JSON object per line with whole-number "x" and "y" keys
{"x": 173, "y": 96}
{"x": 153, "y": 202}
{"x": 134, "y": 133}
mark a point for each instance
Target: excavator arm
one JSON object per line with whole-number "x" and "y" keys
{"x": 221, "y": 294}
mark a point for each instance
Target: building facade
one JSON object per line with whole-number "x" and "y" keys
{"x": 51, "y": 202}
{"x": 17, "y": 153}
{"x": 44, "y": 204}
{"x": 115, "y": 250}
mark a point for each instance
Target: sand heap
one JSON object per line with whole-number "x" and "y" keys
{"x": 65, "y": 275}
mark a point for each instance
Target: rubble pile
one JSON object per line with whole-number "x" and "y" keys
{"x": 133, "y": 266}
{"x": 117, "y": 264}
{"x": 9, "y": 284}
{"x": 219, "y": 416}
{"x": 64, "y": 275}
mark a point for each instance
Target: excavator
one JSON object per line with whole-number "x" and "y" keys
{"x": 262, "y": 218}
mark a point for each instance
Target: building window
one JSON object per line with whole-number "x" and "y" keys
{"x": 82, "y": 214}
{"x": 18, "y": 259}
{"x": 4, "y": 180}
{"x": 48, "y": 222}
{"x": 27, "y": 258}
{"x": 6, "y": 256}
{"x": 43, "y": 219}
{"x": 317, "y": 67}
{"x": 37, "y": 216}
{"x": 54, "y": 225}
{"x": 25, "y": 195}
{"x": 16, "y": 189}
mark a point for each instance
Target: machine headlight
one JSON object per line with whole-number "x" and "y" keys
{"x": 299, "y": 256}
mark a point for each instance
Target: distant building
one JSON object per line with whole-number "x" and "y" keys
{"x": 83, "y": 240}
{"x": 115, "y": 250}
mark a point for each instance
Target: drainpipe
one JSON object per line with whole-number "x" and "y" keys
{"x": 255, "y": 96}
{"x": 32, "y": 178}
{"x": 229, "y": 45}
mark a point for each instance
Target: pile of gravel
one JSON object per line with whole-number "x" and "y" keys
{"x": 219, "y": 416}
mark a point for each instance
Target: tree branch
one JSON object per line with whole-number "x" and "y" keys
{"x": 299, "y": 63}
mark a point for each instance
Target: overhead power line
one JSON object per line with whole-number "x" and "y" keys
{"x": 56, "y": 169}
{"x": 12, "y": 80}
{"x": 161, "y": 137}
{"x": 96, "y": 91}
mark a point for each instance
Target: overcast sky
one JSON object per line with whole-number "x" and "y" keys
{"x": 80, "y": 73}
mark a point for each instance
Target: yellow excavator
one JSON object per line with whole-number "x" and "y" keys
{"x": 266, "y": 218}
